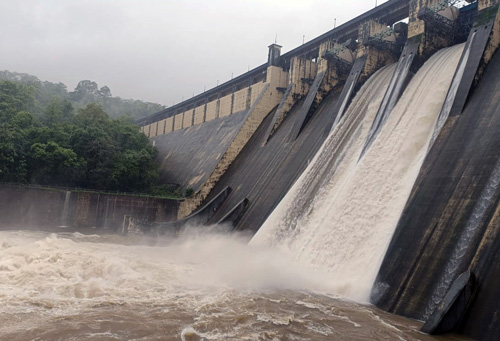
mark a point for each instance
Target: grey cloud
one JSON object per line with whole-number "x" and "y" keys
{"x": 156, "y": 50}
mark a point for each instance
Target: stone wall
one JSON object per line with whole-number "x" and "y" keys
{"x": 301, "y": 69}
{"x": 25, "y": 207}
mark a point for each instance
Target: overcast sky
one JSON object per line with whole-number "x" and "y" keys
{"x": 157, "y": 50}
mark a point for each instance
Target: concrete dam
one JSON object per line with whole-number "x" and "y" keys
{"x": 371, "y": 152}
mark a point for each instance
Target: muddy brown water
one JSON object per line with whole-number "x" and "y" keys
{"x": 74, "y": 286}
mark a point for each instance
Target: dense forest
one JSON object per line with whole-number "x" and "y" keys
{"x": 86, "y": 92}
{"x": 48, "y": 140}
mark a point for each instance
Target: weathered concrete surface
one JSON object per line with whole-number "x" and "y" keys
{"x": 189, "y": 156}
{"x": 263, "y": 174}
{"x": 347, "y": 92}
{"x": 199, "y": 218}
{"x": 432, "y": 36}
{"x": 279, "y": 115}
{"x": 375, "y": 57}
{"x": 22, "y": 207}
{"x": 478, "y": 38}
{"x": 451, "y": 221}
{"x": 264, "y": 104}
{"x": 301, "y": 71}
{"x": 489, "y": 10}
{"x": 306, "y": 106}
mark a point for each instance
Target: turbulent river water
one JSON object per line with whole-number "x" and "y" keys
{"x": 73, "y": 286}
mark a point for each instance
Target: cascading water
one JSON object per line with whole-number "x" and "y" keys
{"x": 338, "y": 154}
{"x": 65, "y": 212}
{"x": 399, "y": 79}
{"x": 341, "y": 219}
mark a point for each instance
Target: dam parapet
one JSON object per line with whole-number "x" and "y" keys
{"x": 375, "y": 28}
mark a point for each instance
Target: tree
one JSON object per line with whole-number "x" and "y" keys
{"x": 55, "y": 146}
{"x": 14, "y": 121}
{"x": 13, "y": 99}
{"x": 52, "y": 164}
{"x": 118, "y": 156}
{"x": 57, "y": 111}
{"x": 92, "y": 115}
{"x": 134, "y": 171}
{"x": 91, "y": 140}
{"x": 85, "y": 89}
{"x": 105, "y": 91}
{"x": 13, "y": 145}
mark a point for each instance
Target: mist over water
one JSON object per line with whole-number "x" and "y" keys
{"x": 75, "y": 267}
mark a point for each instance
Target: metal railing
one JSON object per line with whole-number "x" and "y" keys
{"x": 88, "y": 190}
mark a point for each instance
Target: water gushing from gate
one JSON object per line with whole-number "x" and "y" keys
{"x": 341, "y": 214}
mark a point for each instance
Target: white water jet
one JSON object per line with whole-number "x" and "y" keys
{"x": 391, "y": 97}
{"x": 339, "y": 153}
{"x": 65, "y": 212}
{"x": 340, "y": 215}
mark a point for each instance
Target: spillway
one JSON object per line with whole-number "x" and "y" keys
{"x": 341, "y": 214}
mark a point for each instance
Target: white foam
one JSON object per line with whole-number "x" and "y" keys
{"x": 59, "y": 272}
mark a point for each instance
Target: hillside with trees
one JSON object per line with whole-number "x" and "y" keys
{"x": 45, "y": 140}
{"x": 86, "y": 92}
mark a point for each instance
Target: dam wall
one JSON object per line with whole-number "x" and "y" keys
{"x": 196, "y": 156}
{"x": 188, "y": 156}
{"x": 255, "y": 155}
{"x": 264, "y": 173}
{"x": 33, "y": 208}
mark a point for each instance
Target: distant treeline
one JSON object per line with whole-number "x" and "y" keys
{"x": 86, "y": 92}
{"x": 47, "y": 139}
